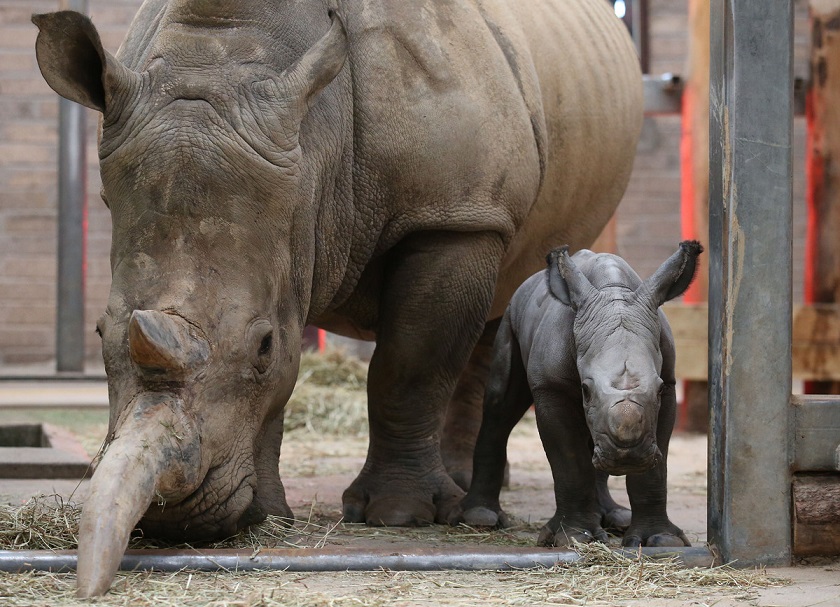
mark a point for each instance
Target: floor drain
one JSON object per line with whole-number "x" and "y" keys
{"x": 40, "y": 451}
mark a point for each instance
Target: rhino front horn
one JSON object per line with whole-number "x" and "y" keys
{"x": 156, "y": 453}
{"x": 164, "y": 342}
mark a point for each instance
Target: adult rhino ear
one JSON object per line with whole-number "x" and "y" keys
{"x": 565, "y": 281}
{"x": 673, "y": 277}
{"x": 301, "y": 82}
{"x": 74, "y": 63}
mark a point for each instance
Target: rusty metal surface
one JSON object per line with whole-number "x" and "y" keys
{"x": 476, "y": 558}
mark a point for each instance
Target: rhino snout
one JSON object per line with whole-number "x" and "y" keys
{"x": 618, "y": 461}
{"x": 626, "y": 423}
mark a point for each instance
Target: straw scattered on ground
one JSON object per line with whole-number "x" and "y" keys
{"x": 330, "y": 395}
{"x": 600, "y": 577}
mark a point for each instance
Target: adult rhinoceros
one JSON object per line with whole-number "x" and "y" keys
{"x": 391, "y": 171}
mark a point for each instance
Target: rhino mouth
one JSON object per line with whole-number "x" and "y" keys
{"x": 618, "y": 461}
{"x": 203, "y": 516}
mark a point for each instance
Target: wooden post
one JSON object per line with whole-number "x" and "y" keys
{"x": 694, "y": 164}
{"x": 822, "y": 165}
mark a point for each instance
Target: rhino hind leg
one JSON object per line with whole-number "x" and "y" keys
{"x": 463, "y": 415}
{"x": 614, "y": 516}
{"x": 438, "y": 291}
{"x": 506, "y": 399}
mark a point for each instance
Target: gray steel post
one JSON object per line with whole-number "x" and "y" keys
{"x": 72, "y": 215}
{"x": 751, "y": 102}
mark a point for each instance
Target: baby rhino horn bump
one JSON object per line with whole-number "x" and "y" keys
{"x": 164, "y": 342}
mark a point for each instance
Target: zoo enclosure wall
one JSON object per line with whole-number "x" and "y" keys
{"x": 648, "y": 220}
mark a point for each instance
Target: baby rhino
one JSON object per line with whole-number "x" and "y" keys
{"x": 586, "y": 343}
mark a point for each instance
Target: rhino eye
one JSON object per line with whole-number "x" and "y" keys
{"x": 262, "y": 341}
{"x": 587, "y": 392}
{"x": 265, "y": 345}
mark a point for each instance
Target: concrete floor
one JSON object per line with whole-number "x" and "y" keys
{"x": 814, "y": 582}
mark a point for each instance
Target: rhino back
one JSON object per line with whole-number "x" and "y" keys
{"x": 543, "y": 329}
{"x": 443, "y": 136}
{"x": 518, "y": 118}
{"x": 590, "y": 91}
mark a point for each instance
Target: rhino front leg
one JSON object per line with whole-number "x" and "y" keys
{"x": 565, "y": 437}
{"x": 463, "y": 415}
{"x": 648, "y": 491}
{"x": 439, "y": 287}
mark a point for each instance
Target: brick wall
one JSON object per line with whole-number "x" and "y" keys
{"x": 648, "y": 220}
{"x": 28, "y": 189}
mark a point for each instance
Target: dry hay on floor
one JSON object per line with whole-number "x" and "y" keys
{"x": 601, "y": 576}
{"x": 49, "y": 522}
{"x": 330, "y": 395}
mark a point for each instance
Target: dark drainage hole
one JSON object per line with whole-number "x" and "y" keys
{"x": 23, "y": 435}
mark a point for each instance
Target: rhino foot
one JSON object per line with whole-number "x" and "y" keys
{"x": 617, "y": 520}
{"x": 480, "y": 516}
{"x": 668, "y": 535}
{"x": 561, "y": 535}
{"x": 379, "y": 501}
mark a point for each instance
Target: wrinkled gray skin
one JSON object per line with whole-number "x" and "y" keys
{"x": 391, "y": 172}
{"x": 586, "y": 343}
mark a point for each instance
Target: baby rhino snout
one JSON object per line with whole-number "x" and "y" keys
{"x": 626, "y": 423}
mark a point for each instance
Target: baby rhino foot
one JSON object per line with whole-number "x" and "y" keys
{"x": 617, "y": 520}
{"x": 479, "y": 516}
{"x": 485, "y": 517}
{"x": 668, "y": 535}
{"x": 561, "y": 535}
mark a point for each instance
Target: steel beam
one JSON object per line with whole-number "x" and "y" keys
{"x": 750, "y": 228}
{"x": 72, "y": 225}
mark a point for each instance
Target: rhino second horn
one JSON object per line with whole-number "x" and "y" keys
{"x": 164, "y": 342}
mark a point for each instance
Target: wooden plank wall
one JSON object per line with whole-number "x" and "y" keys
{"x": 816, "y": 341}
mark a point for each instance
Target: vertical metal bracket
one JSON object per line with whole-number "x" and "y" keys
{"x": 72, "y": 227}
{"x": 751, "y": 99}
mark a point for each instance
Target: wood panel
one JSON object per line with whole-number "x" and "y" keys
{"x": 816, "y": 520}
{"x": 816, "y": 341}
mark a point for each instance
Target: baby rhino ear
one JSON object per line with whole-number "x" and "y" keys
{"x": 556, "y": 283}
{"x": 673, "y": 277}
{"x": 565, "y": 281}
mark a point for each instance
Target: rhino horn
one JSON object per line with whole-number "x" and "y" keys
{"x": 673, "y": 277}
{"x": 162, "y": 342}
{"x": 155, "y": 454}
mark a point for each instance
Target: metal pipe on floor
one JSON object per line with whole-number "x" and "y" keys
{"x": 337, "y": 559}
